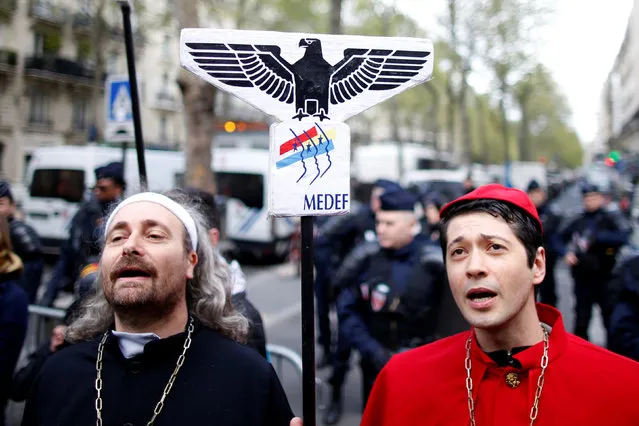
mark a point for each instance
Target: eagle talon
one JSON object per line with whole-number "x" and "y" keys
{"x": 321, "y": 115}
{"x": 300, "y": 114}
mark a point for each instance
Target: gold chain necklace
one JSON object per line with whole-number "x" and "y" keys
{"x": 534, "y": 411}
{"x": 167, "y": 388}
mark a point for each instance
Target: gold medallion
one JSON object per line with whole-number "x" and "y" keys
{"x": 512, "y": 380}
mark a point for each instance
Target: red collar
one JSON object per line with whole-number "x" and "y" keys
{"x": 531, "y": 358}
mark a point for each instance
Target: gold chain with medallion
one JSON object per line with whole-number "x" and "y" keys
{"x": 534, "y": 411}
{"x": 167, "y": 388}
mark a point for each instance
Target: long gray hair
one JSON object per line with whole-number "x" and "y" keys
{"x": 208, "y": 294}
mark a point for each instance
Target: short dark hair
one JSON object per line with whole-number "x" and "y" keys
{"x": 205, "y": 202}
{"x": 525, "y": 227}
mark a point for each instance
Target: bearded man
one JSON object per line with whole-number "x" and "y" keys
{"x": 158, "y": 344}
{"x": 517, "y": 365}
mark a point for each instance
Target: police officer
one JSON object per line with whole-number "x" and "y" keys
{"x": 589, "y": 245}
{"x": 83, "y": 244}
{"x": 335, "y": 238}
{"x": 550, "y": 220}
{"x": 26, "y": 244}
{"x": 391, "y": 289}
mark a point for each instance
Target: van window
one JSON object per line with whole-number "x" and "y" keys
{"x": 58, "y": 183}
{"x": 246, "y": 187}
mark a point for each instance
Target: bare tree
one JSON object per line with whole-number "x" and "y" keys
{"x": 462, "y": 29}
{"x": 508, "y": 32}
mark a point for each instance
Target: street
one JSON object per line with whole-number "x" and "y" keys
{"x": 275, "y": 291}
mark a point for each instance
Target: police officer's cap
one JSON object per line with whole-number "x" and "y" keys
{"x": 113, "y": 171}
{"x": 387, "y": 185}
{"x": 533, "y": 185}
{"x": 590, "y": 188}
{"x": 5, "y": 190}
{"x": 398, "y": 200}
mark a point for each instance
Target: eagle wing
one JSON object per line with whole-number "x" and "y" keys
{"x": 246, "y": 65}
{"x": 373, "y": 69}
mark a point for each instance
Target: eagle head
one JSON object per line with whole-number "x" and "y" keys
{"x": 307, "y": 42}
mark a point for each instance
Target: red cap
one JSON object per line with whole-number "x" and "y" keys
{"x": 495, "y": 191}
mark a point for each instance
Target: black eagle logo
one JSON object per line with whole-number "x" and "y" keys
{"x": 311, "y": 83}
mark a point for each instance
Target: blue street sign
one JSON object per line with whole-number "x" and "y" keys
{"x": 119, "y": 110}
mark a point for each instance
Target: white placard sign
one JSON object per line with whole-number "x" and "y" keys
{"x": 309, "y": 81}
{"x": 309, "y": 170}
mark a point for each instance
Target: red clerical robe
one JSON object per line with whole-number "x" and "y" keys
{"x": 585, "y": 385}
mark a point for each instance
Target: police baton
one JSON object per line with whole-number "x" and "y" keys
{"x": 126, "y": 6}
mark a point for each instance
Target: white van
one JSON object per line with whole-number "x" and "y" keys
{"x": 59, "y": 178}
{"x": 381, "y": 160}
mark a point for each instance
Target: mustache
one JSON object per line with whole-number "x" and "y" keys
{"x": 129, "y": 262}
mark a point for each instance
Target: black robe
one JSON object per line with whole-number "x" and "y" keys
{"x": 221, "y": 382}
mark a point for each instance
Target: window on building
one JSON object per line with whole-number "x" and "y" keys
{"x": 39, "y": 108}
{"x": 80, "y": 107}
{"x": 46, "y": 44}
{"x": 164, "y": 131}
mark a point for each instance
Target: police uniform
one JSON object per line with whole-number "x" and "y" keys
{"x": 595, "y": 238}
{"x": 84, "y": 243}
{"x": 335, "y": 239}
{"x": 392, "y": 304}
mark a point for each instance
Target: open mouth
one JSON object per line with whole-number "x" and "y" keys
{"x": 480, "y": 295}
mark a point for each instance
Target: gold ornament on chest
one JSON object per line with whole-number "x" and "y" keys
{"x": 512, "y": 380}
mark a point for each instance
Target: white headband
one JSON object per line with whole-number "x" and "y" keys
{"x": 153, "y": 197}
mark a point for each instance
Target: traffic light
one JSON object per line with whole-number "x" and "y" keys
{"x": 612, "y": 159}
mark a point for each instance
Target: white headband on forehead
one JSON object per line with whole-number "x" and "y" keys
{"x": 153, "y": 197}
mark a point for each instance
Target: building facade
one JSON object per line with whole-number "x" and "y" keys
{"x": 50, "y": 90}
{"x": 619, "y": 102}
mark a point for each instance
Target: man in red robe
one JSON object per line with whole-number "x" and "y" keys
{"x": 517, "y": 365}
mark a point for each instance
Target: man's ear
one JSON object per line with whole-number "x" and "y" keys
{"x": 214, "y": 236}
{"x": 539, "y": 266}
{"x": 192, "y": 260}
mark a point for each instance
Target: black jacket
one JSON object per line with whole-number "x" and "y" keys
{"x": 221, "y": 382}
{"x": 383, "y": 311}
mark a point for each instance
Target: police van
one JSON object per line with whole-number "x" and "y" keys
{"x": 59, "y": 178}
